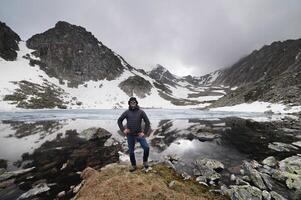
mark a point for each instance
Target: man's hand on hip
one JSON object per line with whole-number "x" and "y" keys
{"x": 141, "y": 134}
{"x": 126, "y": 131}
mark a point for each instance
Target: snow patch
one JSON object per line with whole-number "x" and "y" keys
{"x": 259, "y": 107}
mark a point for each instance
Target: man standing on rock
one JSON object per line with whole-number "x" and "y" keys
{"x": 133, "y": 131}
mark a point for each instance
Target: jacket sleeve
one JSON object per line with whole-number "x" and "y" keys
{"x": 146, "y": 121}
{"x": 120, "y": 120}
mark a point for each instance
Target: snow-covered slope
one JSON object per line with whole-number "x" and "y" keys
{"x": 90, "y": 94}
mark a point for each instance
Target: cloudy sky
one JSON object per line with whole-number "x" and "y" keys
{"x": 187, "y": 37}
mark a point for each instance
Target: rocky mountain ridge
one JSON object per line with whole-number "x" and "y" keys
{"x": 8, "y": 42}
{"x": 270, "y": 74}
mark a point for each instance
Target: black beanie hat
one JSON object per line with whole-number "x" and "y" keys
{"x": 132, "y": 99}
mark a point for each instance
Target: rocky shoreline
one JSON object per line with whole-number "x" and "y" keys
{"x": 53, "y": 170}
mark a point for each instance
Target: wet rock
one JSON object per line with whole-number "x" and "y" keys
{"x": 298, "y": 144}
{"x": 270, "y": 161}
{"x": 210, "y": 163}
{"x": 254, "y": 175}
{"x": 96, "y": 133}
{"x": 3, "y": 163}
{"x": 8, "y": 175}
{"x": 277, "y": 196}
{"x": 266, "y": 195}
{"x": 282, "y": 147}
{"x": 243, "y": 192}
{"x": 41, "y": 188}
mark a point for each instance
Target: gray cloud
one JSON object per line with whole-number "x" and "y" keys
{"x": 187, "y": 37}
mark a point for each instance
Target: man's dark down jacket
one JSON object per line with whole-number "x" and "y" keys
{"x": 134, "y": 118}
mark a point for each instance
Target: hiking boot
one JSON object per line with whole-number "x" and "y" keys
{"x": 145, "y": 165}
{"x": 132, "y": 168}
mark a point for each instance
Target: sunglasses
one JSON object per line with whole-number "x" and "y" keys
{"x": 133, "y": 102}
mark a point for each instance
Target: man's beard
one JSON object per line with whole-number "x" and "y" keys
{"x": 133, "y": 107}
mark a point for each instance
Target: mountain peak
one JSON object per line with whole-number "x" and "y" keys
{"x": 71, "y": 52}
{"x": 8, "y": 42}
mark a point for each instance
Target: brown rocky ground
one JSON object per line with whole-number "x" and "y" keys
{"x": 115, "y": 182}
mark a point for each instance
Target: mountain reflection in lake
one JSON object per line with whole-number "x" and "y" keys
{"x": 48, "y": 140}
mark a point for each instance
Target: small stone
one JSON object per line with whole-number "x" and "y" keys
{"x": 61, "y": 194}
{"x": 270, "y": 161}
{"x": 232, "y": 177}
{"x": 255, "y": 164}
{"x": 172, "y": 184}
{"x": 212, "y": 183}
{"x": 185, "y": 176}
{"x": 201, "y": 179}
{"x": 77, "y": 188}
{"x": 203, "y": 183}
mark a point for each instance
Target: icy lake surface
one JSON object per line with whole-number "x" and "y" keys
{"x": 23, "y": 132}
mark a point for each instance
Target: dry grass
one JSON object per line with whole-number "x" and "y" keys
{"x": 115, "y": 182}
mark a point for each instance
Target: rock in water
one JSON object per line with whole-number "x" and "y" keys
{"x": 41, "y": 188}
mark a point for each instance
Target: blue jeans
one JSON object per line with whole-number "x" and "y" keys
{"x": 131, "y": 144}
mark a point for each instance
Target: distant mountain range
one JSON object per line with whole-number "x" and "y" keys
{"x": 67, "y": 67}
